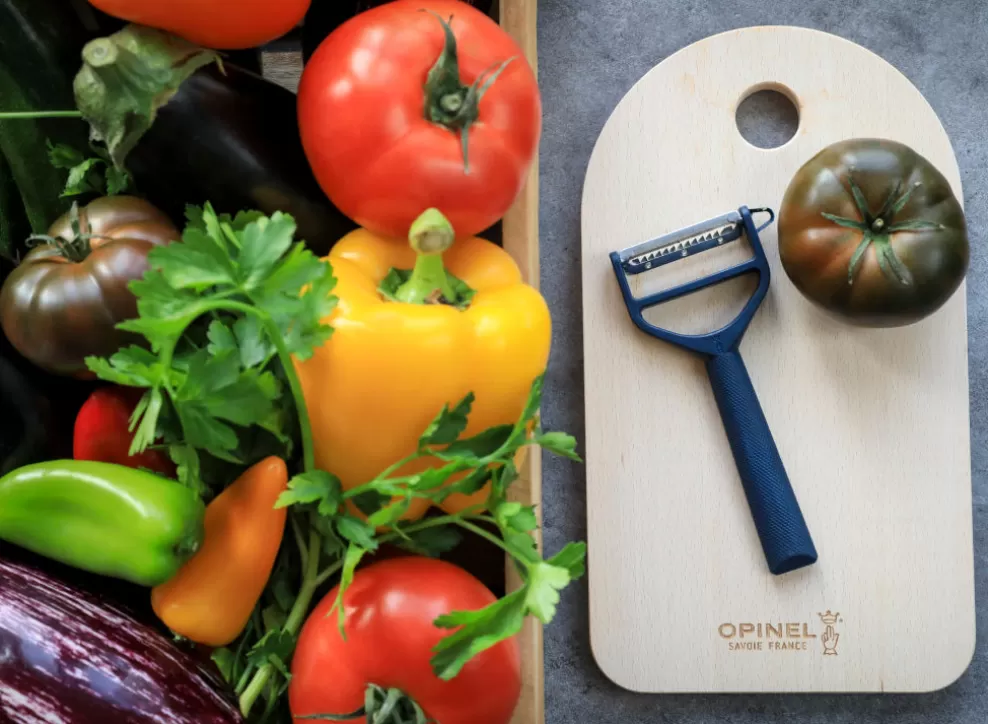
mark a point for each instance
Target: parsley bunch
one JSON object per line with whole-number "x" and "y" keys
{"x": 223, "y": 312}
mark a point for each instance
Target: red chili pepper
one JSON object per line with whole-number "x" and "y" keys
{"x": 102, "y": 434}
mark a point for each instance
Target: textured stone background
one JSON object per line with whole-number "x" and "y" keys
{"x": 590, "y": 53}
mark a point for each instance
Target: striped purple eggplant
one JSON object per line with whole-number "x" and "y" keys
{"x": 66, "y": 657}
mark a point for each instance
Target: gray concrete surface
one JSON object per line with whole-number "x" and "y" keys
{"x": 590, "y": 54}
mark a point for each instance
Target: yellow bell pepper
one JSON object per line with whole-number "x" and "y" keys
{"x": 390, "y": 366}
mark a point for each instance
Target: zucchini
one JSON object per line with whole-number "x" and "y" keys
{"x": 40, "y": 43}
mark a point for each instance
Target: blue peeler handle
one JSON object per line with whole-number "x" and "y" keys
{"x": 778, "y": 519}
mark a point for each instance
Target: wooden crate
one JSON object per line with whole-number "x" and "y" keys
{"x": 520, "y": 237}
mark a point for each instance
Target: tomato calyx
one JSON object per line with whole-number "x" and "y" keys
{"x": 381, "y": 706}
{"x": 448, "y": 102}
{"x": 75, "y": 248}
{"x": 877, "y": 230}
{"x": 428, "y": 282}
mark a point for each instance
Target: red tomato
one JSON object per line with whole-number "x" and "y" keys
{"x": 390, "y": 607}
{"x": 102, "y": 431}
{"x": 364, "y": 118}
{"x": 223, "y": 24}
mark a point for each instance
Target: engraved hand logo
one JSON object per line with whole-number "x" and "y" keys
{"x": 829, "y": 641}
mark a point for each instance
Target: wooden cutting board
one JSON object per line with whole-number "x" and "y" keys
{"x": 872, "y": 425}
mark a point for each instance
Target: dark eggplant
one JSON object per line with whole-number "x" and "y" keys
{"x": 231, "y": 138}
{"x": 21, "y": 411}
{"x": 67, "y": 656}
{"x": 324, "y": 17}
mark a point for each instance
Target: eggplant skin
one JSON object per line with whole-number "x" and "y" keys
{"x": 66, "y": 657}
{"x": 230, "y": 137}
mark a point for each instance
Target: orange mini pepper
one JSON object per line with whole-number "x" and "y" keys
{"x": 211, "y": 598}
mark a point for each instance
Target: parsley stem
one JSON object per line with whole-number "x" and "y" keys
{"x": 305, "y": 428}
{"x": 484, "y": 534}
{"x": 293, "y": 624}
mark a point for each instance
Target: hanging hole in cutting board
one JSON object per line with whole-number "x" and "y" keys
{"x": 767, "y": 116}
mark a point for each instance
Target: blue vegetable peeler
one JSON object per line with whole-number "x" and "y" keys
{"x": 781, "y": 528}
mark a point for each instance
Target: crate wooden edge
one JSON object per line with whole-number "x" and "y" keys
{"x": 520, "y": 234}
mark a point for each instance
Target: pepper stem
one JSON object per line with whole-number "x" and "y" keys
{"x": 430, "y": 235}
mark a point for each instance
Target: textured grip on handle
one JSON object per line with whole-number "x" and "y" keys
{"x": 778, "y": 519}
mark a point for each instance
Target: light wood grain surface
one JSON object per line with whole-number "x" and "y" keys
{"x": 872, "y": 425}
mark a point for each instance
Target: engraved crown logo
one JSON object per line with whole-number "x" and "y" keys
{"x": 829, "y": 618}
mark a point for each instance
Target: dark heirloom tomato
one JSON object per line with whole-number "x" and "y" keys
{"x": 62, "y": 302}
{"x": 871, "y": 231}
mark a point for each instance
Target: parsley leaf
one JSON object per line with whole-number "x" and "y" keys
{"x": 431, "y": 542}
{"x": 315, "y": 486}
{"x": 356, "y": 531}
{"x": 480, "y": 630}
{"x": 559, "y": 443}
{"x": 275, "y": 647}
{"x": 448, "y": 424}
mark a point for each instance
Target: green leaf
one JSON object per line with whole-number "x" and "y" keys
{"x": 448, "y": 425}
{"x": 226, "y": 662}
{"x": 254, "y": 345}
{"x": 558, "y": 443}
{"x": 354, "y": 554}
{"x": 370, "y": 501}
{"x": 126, "y": 77}
{"x": 83, "y": 178}
{"x": 264, "y": 242}
{"x": 467, "y": 485}
{"x": 249, "y": 400}
{"x": 388, "y": 287}
{"x": 478, "y": 631}
{"x": 533, "y": 402}
{"x": 221, "y": 338}
{"x": 573, "y": 557}
{"x": 197, "y": 263}
{"x": 63, "y": 156}
{"x": 132, "y": 366}
{"x": 118, "y": 180}
{"x": 207, "y": 373}
{"x": 315, "y": 486}
{"x": 475, "y": 449}
{"x": 463, "y": 292}
{"x": 186, "y": 460}
{"x": 356, "y": 531}
{"x": 431, "y": 542}
{"x": 274, "y": 646}
{"x": 389, "y": 514}
{"x": 202, "y": 430}
{"x": 517, "y": 517}
{"x": 545, "y": 581}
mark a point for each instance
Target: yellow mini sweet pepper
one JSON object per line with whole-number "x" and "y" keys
{"x": 396, "y": 358}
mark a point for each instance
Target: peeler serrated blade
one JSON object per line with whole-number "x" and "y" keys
{"x": 682, "y": 243}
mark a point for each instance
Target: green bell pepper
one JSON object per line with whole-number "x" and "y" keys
{"x": 103, "y": 518}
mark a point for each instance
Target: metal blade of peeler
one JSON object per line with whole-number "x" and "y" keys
{"x": 682, "y": 243}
